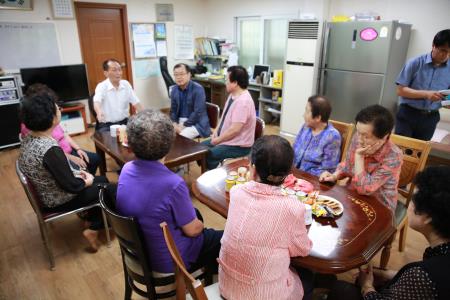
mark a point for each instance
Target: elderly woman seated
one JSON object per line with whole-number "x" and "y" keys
{"x": 373, "y": 162}
{"x": 264, "y": 230}
{"x": 429, "y": 214}
{"x": 318, "y": 144}
{"x": 78, "y": 157}
{"x": 44, "y": 163}
{"x": 152, "y": 193}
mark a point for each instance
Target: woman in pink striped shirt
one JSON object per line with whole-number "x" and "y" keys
{"x": 264, "y": 230}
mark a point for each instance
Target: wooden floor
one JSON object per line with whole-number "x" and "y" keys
{"x": 24, "y": 267}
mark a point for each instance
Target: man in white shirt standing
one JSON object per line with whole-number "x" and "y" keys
{"x": 113, "y": 96}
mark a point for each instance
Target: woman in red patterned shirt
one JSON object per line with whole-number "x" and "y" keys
{"x": 373, "y": 163}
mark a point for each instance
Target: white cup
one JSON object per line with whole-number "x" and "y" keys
{"x": 113, "y": 130}
{"x": 308, "y": 214}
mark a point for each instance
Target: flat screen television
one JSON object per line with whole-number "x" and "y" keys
{"x": 68, "y": 81}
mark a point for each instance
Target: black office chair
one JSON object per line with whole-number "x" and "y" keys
{"x": 168, "y": 80}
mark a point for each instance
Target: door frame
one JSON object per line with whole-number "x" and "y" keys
{"x": 123, "y": 11}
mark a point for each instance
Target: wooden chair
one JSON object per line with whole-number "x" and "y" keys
{"x": 182, "y": 277}
{"x": 213, "y": 111}
{"x": 346, "y": 131}
{"x": 92, "y": 110}
{"x": 415, "y": 154}
{"x": 136, "y": 264}
{"x": 135, "y": 260}
{"x": 44, "y": 217}
{"x": 259, "y": 128}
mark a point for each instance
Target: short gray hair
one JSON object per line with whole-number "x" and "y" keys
{"x": 150, "y": 134}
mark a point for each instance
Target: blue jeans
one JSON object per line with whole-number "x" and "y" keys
{"x": 217, "y": 153}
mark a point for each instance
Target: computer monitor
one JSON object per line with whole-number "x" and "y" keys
{"x": 69, "y": 82}
{"x": 258, "y": 69}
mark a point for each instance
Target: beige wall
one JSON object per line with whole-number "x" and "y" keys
{"x": 152, "y": 91}
{"x": 427, "y": 17}
{"x": 216, "y": 18}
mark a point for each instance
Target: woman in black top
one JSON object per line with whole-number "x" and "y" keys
{"x": 429, "y": 214}
{"x": 59, "y": 187}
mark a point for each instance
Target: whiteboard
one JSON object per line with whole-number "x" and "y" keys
{"x": 26, "y": 45}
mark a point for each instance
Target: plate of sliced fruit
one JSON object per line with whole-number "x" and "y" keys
{"x": 325, "y": 205}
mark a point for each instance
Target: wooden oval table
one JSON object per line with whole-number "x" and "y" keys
{"x": 340, "y": 244}
{"x": 183, "y": 151}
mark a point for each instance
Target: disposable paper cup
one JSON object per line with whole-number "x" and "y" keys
{"x": 308, "y": 214}
{"x": 113, "y": 130}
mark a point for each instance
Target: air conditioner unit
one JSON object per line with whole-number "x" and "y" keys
{"x": 300, "y": 73}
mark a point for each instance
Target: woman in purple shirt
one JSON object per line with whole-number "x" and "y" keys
{"x": 317, "y": 146}
{"x": 152, "y": 193}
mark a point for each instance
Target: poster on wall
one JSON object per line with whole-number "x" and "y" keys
{"x": 161, "y": 48}
{"x": 184, "y": 42}
{"x": 143, "y": 40}
{"x": 146, "y": 68}
{"x": 160, "y": 31}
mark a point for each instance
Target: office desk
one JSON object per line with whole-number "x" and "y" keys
{"x": 269, "y": 108}
{"x": 214, "y": 89}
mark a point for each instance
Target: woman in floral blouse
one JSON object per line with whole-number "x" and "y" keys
{"x": 317, "y": 147}
{"x": 373, "y": 162}
{"x": 429, "y": 214}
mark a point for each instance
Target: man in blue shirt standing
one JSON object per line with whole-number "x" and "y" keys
{"x": 188, "y": 105}
{"x": 418, "y": 86}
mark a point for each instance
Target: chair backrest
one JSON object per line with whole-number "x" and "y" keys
{"x": 30, "y": 191}
{"x": 213, "y": 111}
{"x": 415, "y": 155}
{"x": 346, "y": 131}
{"x": 183, "y": 278}
{"x": 259, "y": 128}
{"x": 168, "y": 80}
{"x": 92, "y": 110}
{"x": 132, "y": 246}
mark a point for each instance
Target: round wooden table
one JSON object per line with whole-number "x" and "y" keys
{"x": 340, "y": 244}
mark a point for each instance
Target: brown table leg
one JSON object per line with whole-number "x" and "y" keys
{"x": 203, "y": 164}
{"x": 386, "y": 252}
{"x": 102, "y": 165}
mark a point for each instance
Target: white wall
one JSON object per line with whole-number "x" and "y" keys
{"x": 221, "y": 14}
{"x": 427, "y": 17}
{"x": 216, "y": 18}
{"x": 152, "y": 91}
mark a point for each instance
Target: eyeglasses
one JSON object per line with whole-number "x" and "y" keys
{"x": 443, "y": 50}
{"x": 179, "y": 74}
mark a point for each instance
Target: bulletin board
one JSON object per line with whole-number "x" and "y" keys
{"x": 27, "y": 45}
{"x": 149, "y": 40}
